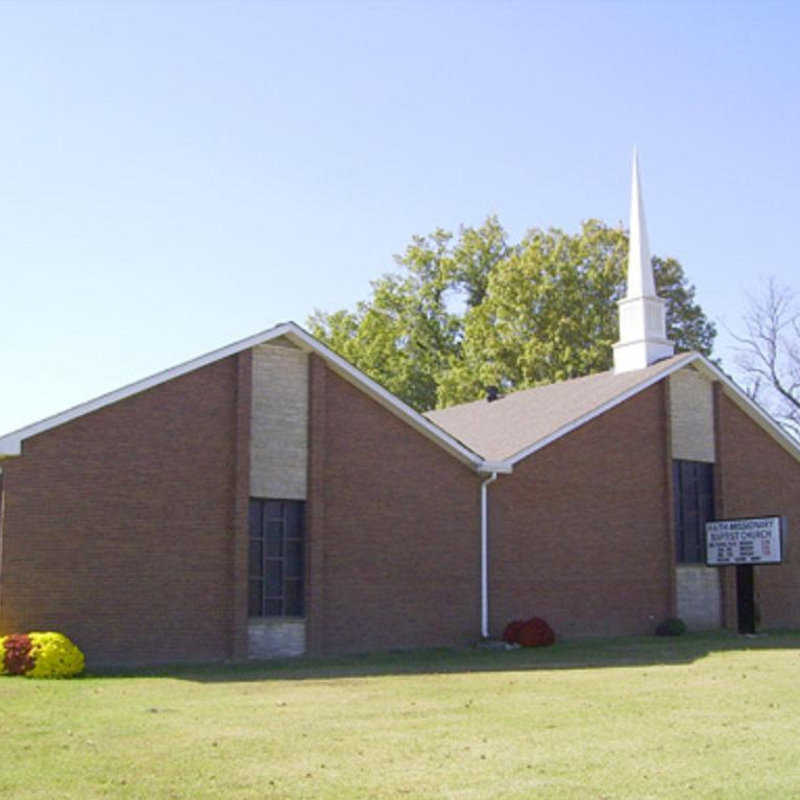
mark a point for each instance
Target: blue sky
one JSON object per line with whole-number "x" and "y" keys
{"x": 176, "y": 176}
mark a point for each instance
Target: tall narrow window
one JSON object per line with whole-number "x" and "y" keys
{"x": 693, "y": 497}
{"x": 277, "y": 543}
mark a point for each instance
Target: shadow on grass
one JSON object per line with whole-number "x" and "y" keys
{"x": 633, "y": 651}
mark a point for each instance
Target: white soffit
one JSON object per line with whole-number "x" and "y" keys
{"x": 755, "y": 412}
{"x": 749, "y": 407}
{"x": 601, "y": 409}
{"x": 11, "y": 443}
{"x": 383, "y": 396}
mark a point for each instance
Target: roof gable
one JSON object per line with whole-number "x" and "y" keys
{"x": 517, "y": 425}
{"x": 287, "y": 333}
{"x": 750, "y": 407}
{"x": 488, "y": 437}
{"x": 522, "y": 422}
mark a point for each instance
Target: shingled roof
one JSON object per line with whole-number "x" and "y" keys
{"x": 519, "y": 423}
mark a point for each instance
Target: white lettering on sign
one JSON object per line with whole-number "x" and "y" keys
{"x": 744, "y": 541}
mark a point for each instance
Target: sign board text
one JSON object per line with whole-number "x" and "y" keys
{"x": 757, "y": 540}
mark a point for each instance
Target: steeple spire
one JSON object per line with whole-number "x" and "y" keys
{"x": 640, "y": 272}
{"x": 642, "y": 315}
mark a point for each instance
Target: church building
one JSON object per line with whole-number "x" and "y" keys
{"x": 269, "y": 499}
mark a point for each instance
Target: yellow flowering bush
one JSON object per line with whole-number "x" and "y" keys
{"x": 40, "y": 655}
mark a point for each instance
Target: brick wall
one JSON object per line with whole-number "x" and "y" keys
{"x": 580, "y": 533}
{"x": 760, "y": 478}
{"x": 394, "y": 536}
{"x": 126, "y": 528}
{"x": 118, "y": 525}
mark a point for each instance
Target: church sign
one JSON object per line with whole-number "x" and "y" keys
{"x": 756, "y": 540}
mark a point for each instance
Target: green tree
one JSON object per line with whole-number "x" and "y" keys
{"x": 472, "y": 311}
{"x": 406, "y": 334}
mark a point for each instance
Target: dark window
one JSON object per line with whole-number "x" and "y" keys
{"x": 693, "y": 493}
{"x": 277, "y": 546}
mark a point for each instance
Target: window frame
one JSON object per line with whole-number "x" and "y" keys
{"x": 276, "y": 558}
{"x": 693, "y": 504}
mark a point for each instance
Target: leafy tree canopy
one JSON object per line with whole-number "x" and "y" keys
{"x": 468, "y": 311}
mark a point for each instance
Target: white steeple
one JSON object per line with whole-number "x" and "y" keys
{"x": 642, "y": 315}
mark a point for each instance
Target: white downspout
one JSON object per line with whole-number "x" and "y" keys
{"x": 485, "y": 555}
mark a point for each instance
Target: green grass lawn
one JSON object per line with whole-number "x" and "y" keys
{"x": 699, "y": 716}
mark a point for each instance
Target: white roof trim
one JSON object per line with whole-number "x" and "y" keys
{"x": 500, "y": 467}
{"x": 11, "y": 443}
{"x": 385, "y": 397}
{"x": 601, "y": 409}
{"x": 751, "y": 408}
{"x": 755, "y": 412}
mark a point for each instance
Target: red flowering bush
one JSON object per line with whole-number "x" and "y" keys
{"x": 15, "y": 653}
{"x": 534, "y": 632}
{"x": 512, "y": 631}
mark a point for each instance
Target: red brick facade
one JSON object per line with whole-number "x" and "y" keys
{"x": 394, "y": 529}
{"x": 118, "y": 525}
{"x": 580, "y": 532}
{"x": 126, "y": 528}
{"x": 760, "y": 478}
